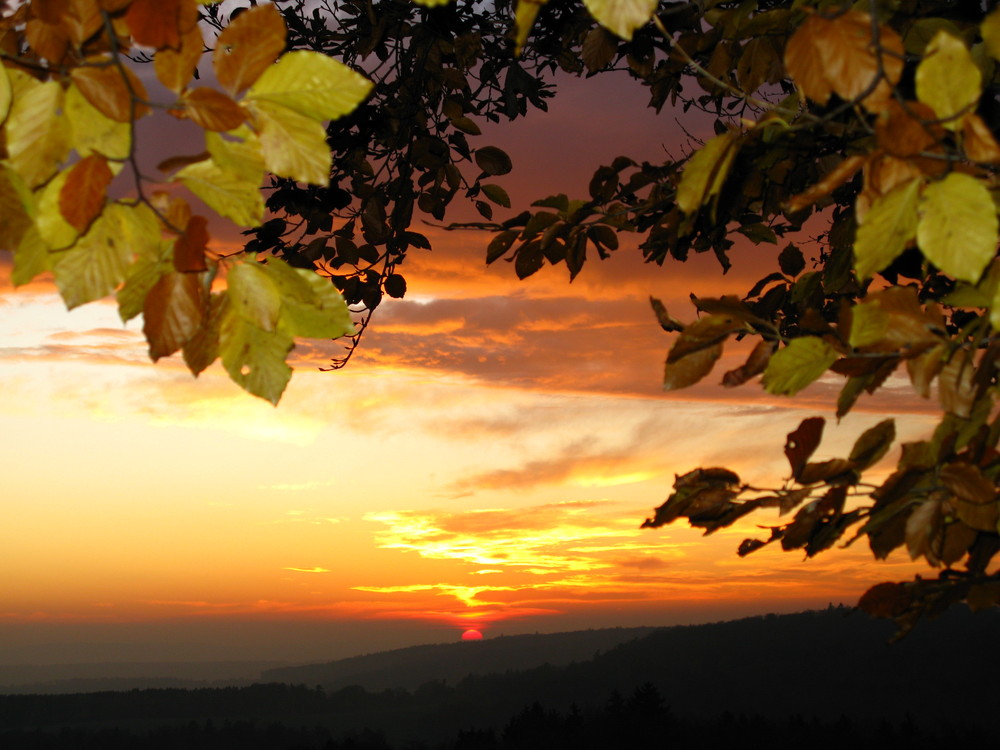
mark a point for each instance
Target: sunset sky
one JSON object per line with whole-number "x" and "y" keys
{"x": 484, "y": 462}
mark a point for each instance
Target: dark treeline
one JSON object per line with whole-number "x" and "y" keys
{"x": 749, "y": 678}
{"x": 641, "y": 720}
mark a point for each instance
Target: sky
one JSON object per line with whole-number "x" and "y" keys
{"x": 484, "y": 462}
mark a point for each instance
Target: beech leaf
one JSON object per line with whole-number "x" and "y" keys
{"x": 248, "y": 46}
{"x": 621, "y": 17}
{"x": 957, "y": 230}
{"x": 948, "y": 79}
{"x": 172, "y": 312}
{"x": 706, "y": 172}
{"x": 797, "y": 365}
{"x": 312, "y": 84}
{"x": 889, "y": 226}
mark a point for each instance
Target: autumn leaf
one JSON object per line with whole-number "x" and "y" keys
{"x": 706, "y": 172}
{"x": 524, "y": 18}
{"x": 82, "y": 196}
{"x": 95, "y": 265}
{"x": 312, "y": 84}
{"x": 836, "y": 55}
{"x": 225, "y": 192}
{"x": 690, "y": 368}
{"x": 248, "y": 46}
{"x": 621, "y": 17}
{"x": 797, "y": 365}
{"x": 112, "y": 89}
{"x": 978, "y": 140}
{"x": 172, "y": 312}
{"x": 254, "y": 295}
{"x": 52, "y": 226}
{"x": 957, "y": 229}
{"x": 191, "y": 246}
{"x": 292, "y": 144}
{"x": 6, "y": 93}
{"x": 948, "y": 79}
{"x": 889, "y": 226}
{"x": 254, "y": 358}
{"x": 92, "y": 132}
{"x": 175, "y": 67}
{"x": 161, "y": 23}
{"x": 212, "y": 110}
{"x": 37, "y": 136}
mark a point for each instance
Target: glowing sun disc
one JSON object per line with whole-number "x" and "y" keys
{"x": 472, "y": 635}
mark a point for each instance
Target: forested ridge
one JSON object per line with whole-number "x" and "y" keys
{"x": 812, "y": 677}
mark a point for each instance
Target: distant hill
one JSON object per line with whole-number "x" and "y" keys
{"x": 409, "y": 668}
{"x": 833, "y": 667}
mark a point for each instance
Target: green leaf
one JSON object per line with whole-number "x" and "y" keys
{"x": 957, "y": 230}
{"x": 312, "y": 84}
{"x": 254, "y": 358}
{"x": 226, "y": 192}
{"x": 948, "y": 79}
{"x": 869, "y": 323}
{"x": 621, "y": 17}
{"x": 706, "y": 172}
{"x": 889, "y": 226}
{"x": 797, "y": 365}
{"x": 254, "y": 295}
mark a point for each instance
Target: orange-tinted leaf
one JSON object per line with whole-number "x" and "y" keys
{"x": 175, "y": 210}
{"x": 115, "y": 91}
{"x": 212, "y": 109}
{"x": 830, "y": 182}
{"x": 703, "y": 333}
{"x": 82, "y": 18}
{"x": 690, "y": 368}
{"x": 48, "y": 40}
{"x": 190, "y": 247}
{"x": 667, "y": 323}
{"x": 756, "y": 364}
{"x": 980, "y": 145}
{"x": 176, "y": 162}
{"x": 174, "y": 68}
{"x": 172, "y": 313}
{"x": 248, "y": 46}
{"x": 907, "y": 131}
{"x": 836, "y": 55}
{"x": 161, "y": 23}
{"x": 889, "y": 600}
{"x": 82, "y": 196}
{"x": 956, "y": 386}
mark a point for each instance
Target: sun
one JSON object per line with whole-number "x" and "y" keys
{"x": 472, "y": 635}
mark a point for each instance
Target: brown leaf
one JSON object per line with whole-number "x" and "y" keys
{"x": 983, "y": 596}
{"x": 175, "y": 67}
{"x": 979, "y": 143}
{"x": 802, "y": 442}
{"x": 928, "y": 533}
{"x": 834, "y": 471}
{"x": 704, "y": 333}
{"x": 176, "y": 162}
{"x": 213, "y": 110}
{"x": 248, "y": 46}
{"x": 172, "y": 313}
{"x": 48, "y": 40}
{"x": 975, "y": 501}
{"x": 836, "y": 55}
{"x": 175, "y": 210}
{"x": 112, "y": 89}
{"x": 202, "y": 349}
{"x": 760, "y": 63}
{"x": 830, "y": 182}
{"x": 923, "y": 368}
{"x": 884, "y": 172}
{"x": 691, "y": 368}
{"x": 956, "y": 386}
{"x": 873, "y": 444}
{"x": 599, "y": 49}
{"x": 888, "y": 600}
{"x": 190, "y": 247}
{"x": 667, "y": 323}
{"x": 756, "y": 364}
{"x": 161, "y": 23}
{"x": 82, "y": 196}
{"x": 907, "y": 131}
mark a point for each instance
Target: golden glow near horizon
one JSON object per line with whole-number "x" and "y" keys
{"x": 487, "y": 458}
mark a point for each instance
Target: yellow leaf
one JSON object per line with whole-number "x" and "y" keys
{"x": 889, "y": 226}
{"x": 37, "y": 136}
{"x": 621, "y": 17}
{"x": 137, "y": 227}
{"x": 18, "y": 209}
{"x": 706, "y": 172}
{"x": 868, "y": 324}
{"x": 53, "y": 227}
{"x": 312, "y": 84}
{"x": 293, "y": 145}
{"x": 254, "y": 358}
{"x": 254, "y": 295}
{"x": 957, "y": 230}
{"x": 6, "y": 94}
{"x": 797, "y": 365}
{"x": 990, "y": 30}
{"x": 241, "y": 157}
{"x": 225, "y": 192}
{"x": 524, "y": 19}
{"x": 93, "y": 132}
{"x": 248, "y": 46}
{"x": 95, "y": 265}
{"x": 30, "y": 258}
{"x": 948, "y": 80}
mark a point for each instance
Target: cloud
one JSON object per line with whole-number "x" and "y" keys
{"x": 308, "y": 570}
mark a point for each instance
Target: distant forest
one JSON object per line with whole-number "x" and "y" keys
{"x": 813, "y": 680}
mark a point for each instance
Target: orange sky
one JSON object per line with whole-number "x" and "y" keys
{"x": 484, "y": 462}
